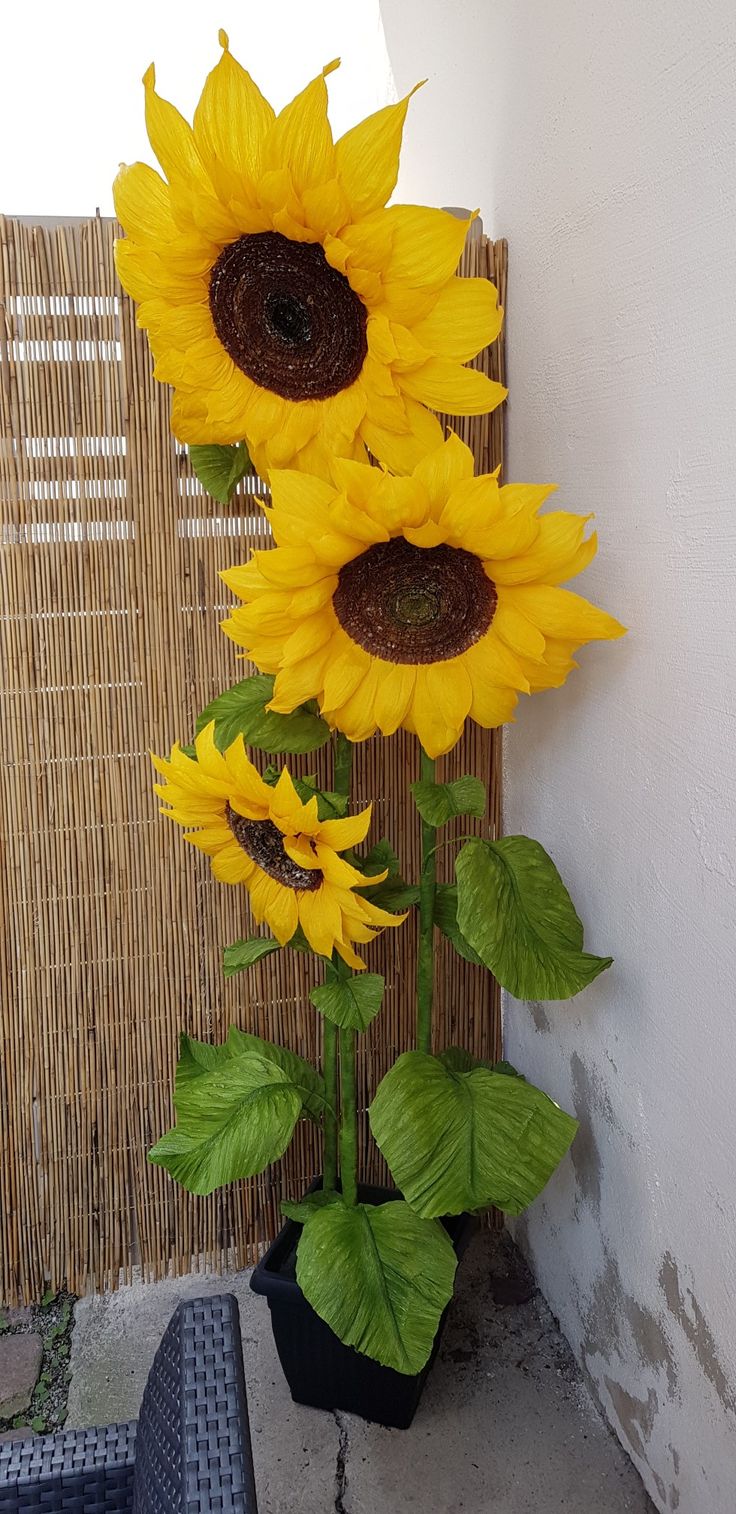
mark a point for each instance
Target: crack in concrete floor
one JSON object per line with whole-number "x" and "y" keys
{"x": 341, "y": 1465}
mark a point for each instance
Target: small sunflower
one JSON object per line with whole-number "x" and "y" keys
{"x": 415, "y": 601}
{"x": 267, "y": 839}
{"x": 285, "y": 304}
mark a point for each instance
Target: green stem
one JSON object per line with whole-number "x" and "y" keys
{"x": 329, "y": 1070}
{"x": 348, "y": 1118}
{"x": 343, "y": 764}
{"x": 427, "y": 890}
{"x": 342, "y": 773}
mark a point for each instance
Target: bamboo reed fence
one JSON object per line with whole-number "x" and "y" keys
{"x": 111, "y": 927}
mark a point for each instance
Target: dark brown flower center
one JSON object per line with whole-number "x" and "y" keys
{"x": 414, "y": 604}
{"x": 263, "y": 842}
{"x": 288, "y": 319}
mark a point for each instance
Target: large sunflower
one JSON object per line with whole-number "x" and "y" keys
{"x": 283, "y": 302}
{"x": 269, "y": 840}
{"x": 414, "y": 601}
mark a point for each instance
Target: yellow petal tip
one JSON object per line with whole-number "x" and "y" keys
{"x": 329, "y": 68}
{"x": 223, "y": 40}
{"x": 149, "y": 77}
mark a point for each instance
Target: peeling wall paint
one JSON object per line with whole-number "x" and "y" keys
{"x": 602, "y": 143}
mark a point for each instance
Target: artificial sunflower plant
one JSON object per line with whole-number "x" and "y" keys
{"x": 306, "y": 326}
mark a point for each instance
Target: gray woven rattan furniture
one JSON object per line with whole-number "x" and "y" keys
{"x": 188, "y": 1453}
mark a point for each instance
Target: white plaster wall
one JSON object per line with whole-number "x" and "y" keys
{"x": 603, "y": 145}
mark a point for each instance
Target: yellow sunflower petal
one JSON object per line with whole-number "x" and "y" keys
{"x": 181, "y": 326}
{"x": 172, "y": 139}
{"x": 466, "y": 318}
{"x": 491, "y": 705}
{"x": 401, "y": 453}
{"x": 285, "y": 802}
{"x": 394, "y": 696}
{"x": 143, "y": 204}
{"x": 350, "y": 956}
{"x": 564, "y": 615}
{"x": 144, "y": 276}
{"x": 320, "y": 919}
{"x": 450, "y": 686}
{"x": 211, "y": 839}
{"x": 300, "y": 138}
{"x": 336, "y": 870}
{"x": 356, "y": 717}
{"x": 555, "y": 668}
{"x": 301, "y": 850}
{"x": 529, "y": 498}
{"x": 470, "y": 509}
{"x": 232, "y": 119}
{"x": 294, "y": 685}
{"x": 283, "y": 913}
{"x": 344, "y": 674}
{"x": 445, "y": 385}
{"x": 357, "y": 524}
{"x": 557, "y": 553}
{"x": 429, "y": 535}
{"x": 342, "y": 834}
{"x": 250, "y": 783}
{"x": 435, "y": 732}
{"x": 473, "y": 518}
{"x": 367, "y": 157}
{"x": 299, "y": 499}
{"x": 443, "y": 468}
{"x": 189, "y": 421}
{"x": 325, "y": 207}
{"x": 426, "y": 245}
{"x": 209, "y": 759}
{"x": 290, "y": 567}
{"x": 376, "y": 916}
{"x": 308, "y": 637}
{"x": 231, "y": 864}
{"x": 490, "y": 660}
{"x": 517, "y": 631}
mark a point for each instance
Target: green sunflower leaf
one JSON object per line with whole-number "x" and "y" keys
{"x": 445, "y": 917}
{"x": 439, "y": 802}
{"x": 241, "y": 711}
{"x": 330, "y": 805}
{"x": 463, "y": 1139}
{"x": 237, "y": 1106}
{"x": 300, "y": 1212}
{"x": 220, "y": 469}
{"x": 350, "y": 1002}
{"x": 393, "y": 894}
{"x": 457, "y": 1059}
{"x": 515, "y": 912}
{"x": 301, "y": 1073}
{"x": 380, "y": 859}
{"x": 243, "y": 954}
{"x": 380, "y": 1277}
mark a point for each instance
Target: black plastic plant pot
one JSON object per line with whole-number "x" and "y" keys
{"x": 319, "y": 1369}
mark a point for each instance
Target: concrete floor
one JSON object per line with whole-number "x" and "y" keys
{"x": 506, "y": 1425}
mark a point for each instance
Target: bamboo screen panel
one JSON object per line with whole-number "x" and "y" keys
{"x": 112, "y": 927}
